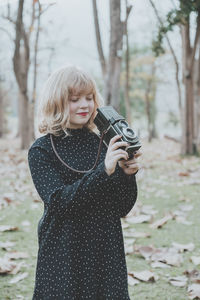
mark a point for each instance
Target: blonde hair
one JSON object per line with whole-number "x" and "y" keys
{"x": 53, "y": 108}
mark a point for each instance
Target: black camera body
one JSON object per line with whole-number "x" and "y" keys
{"x": 109, "y": 121}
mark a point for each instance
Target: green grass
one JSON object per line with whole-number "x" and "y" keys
{"x": 159, "y": 175}
{"x": 25, "y": 239}
{"x": 170, "y": 232}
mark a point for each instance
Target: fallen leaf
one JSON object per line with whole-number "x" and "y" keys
{"x": 132, "y": 281}
{"x": 180, "y": 281}
{"x": 37, "y": 200}
{"x": 16, "y": 255}
{"x": 6, "y": 266}
{"x": 7, "y": 228}
{"x": 161, "y": 222}
{"x": 17, "y": 268}
{"x": 18, "y": 278}
{"x": 146, "y": 251}
{"x": 158, "y": 264}
{"x": 193, "y": 275}
{"x": 168, "y": 256}
{"x": 139, "y": 219}
{"x": 136, "y": 234}
{"x": 6, "y": 245}
{"x": 182, "y": 248}
{"x": 145, "y": 276}
{"x": 184, "y": 174}
{"x": 194, "y": 291}
{"x": 148, "y": 210}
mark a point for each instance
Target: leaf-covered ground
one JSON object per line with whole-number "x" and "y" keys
{"x": 161, "y": 233}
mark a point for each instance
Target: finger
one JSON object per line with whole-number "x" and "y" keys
{"x": 118, "y": 156}
{"x": 137, "y": 154}
{"x": 119, "y": 152}
{"x": 114, "y": 139}
{"x": 119, "y": 144}
{"x": 133, "y": 166}
{"x": 130, "y": 161}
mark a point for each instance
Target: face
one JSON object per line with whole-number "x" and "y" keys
{"x": 80, "y": 110}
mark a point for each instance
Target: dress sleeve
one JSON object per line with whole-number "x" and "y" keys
{"x": 62, "y": 198}
{"x": 125, "y": 193}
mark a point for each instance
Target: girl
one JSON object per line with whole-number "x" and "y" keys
{"x": 81, "y": 250}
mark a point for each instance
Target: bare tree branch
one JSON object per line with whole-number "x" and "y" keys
{"x": 7, "y": 32}
{"x": 174, "y": 4}
{"x": 32, "y": 20}
{"x": 98, "y": 38}
{"x": 128, "y": 10}
{"x": 8, "y": 17}
{"x": 196, "y": 41}
{"x": 46, "y": 8}
{"x": 36, "y": 53}
{"x": 173, "y": 54}
{"x": 19, "y": 25}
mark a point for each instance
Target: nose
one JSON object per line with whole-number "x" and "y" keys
{"x": 83, "y": 102}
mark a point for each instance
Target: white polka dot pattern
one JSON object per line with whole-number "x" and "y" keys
{"x": 81, "y": 248}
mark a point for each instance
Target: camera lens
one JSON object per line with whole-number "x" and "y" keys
{"x": 129, "y": 133}
{"x": 123, "y": 124}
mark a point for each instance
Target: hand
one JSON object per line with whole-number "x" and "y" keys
{"x": 113, "y": 154}
{"x": 130, "y": 166}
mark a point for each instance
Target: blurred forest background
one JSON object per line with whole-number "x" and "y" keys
{"x": 145, "y": 58}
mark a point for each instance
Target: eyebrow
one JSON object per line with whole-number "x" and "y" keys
{"x": 91, "y": 94}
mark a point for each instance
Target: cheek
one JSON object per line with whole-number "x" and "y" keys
{"x": 72, "y": 107}
{"x": 91, "y": 106}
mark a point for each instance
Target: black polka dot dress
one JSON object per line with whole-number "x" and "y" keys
{"x": 81, "y": 248}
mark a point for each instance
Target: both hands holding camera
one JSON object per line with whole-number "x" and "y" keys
{"x": 113, "y": 155}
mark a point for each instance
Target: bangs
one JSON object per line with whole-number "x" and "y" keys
{"x": 81, "y": 85}
{"x": 53, "y": 108}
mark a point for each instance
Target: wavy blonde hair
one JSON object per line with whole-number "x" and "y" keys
{"x": 53, "y": 108}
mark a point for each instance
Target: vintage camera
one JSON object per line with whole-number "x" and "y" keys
{"x": 108, "y": 120}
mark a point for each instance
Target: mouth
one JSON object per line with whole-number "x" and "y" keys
{"x": 83, "y": 114}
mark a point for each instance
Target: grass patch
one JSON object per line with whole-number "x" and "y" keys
{"x": 160, "y": 185}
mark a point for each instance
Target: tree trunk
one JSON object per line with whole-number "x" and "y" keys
{"x": 21, "y": 62}
{"x": 148, "y": 117}
{"x": 150, "y": 94}
{"x": 127, "y": 63}
{"x": 189, "y": 53}
{"x": 98, "y": 39}
{"x": 112, "y": 84}
{"x": 1, "y": 114}
{"x": 24, "y": 121}
{"x": 197, "y": 103}
{"x": 154, "y": 133}
{"x": 187, "y": 141}
{"x": 35, "y": 66}
{"x": 189, "y": 115}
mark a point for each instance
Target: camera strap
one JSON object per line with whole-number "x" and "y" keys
{"x": 79, "y": 171}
